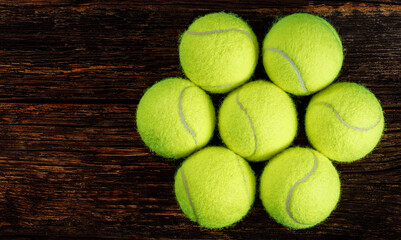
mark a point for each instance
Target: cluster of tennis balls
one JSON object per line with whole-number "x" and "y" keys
{"x": 299, "y": 187}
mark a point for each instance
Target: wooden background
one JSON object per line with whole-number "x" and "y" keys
{"x": 71, "y": 75}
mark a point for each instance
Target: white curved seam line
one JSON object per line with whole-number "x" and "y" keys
{"x": 344, "y": 122}
{"x": 243, "y": 178}
{"x": 220, "y": 31}
{"x": 182, "y": 116}
{"x": 301, "y": 81}
{"x": 296, "y": 184}
{"x": 250, "y": 121}
{"x": 189, "y": 196}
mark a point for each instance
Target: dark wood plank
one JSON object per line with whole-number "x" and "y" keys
{"x": 112, "y": 52}
{"x": 82, "y": 170}
{"x": 74, "y": 169}
{"x": 209, "y": 4}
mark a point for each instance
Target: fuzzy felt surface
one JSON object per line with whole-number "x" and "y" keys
{"x": 312, "y": 44}
{"x": 312, "y": 200}
{"x": 273, "y": 116}
{"x": 221, "y": 186}
{"x": 218, "y": 62}
{"x": 159, "y": 122}
{"x": 358, "y": 107}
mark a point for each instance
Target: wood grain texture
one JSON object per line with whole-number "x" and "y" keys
{"x": 72, "y": 164}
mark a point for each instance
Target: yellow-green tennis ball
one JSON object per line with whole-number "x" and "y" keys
{"x": 344, "y": 122}
{"x": 302, "y": 53}
{"x": 257, "y": 120}
{"x": 299, "y": 188}
{"x": 215, "y": 187}
{"x": 175, "y": 117}
{"x": 218, "y": 52}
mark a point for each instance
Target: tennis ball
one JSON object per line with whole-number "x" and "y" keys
{"x": 302, "y": 53}
{"x": 175, "y": 117}
{"x": 257, "y": 120}
{"x": 299, "y": 188}
{"x": 215, "y": 187}
{"x": 218, "y": 52}
{"x": 344, "y": 122}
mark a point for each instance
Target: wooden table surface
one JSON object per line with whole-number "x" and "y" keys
{"x": 72, "y": 163}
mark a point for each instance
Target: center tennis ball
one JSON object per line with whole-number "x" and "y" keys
{"x": 257, "y": 120}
